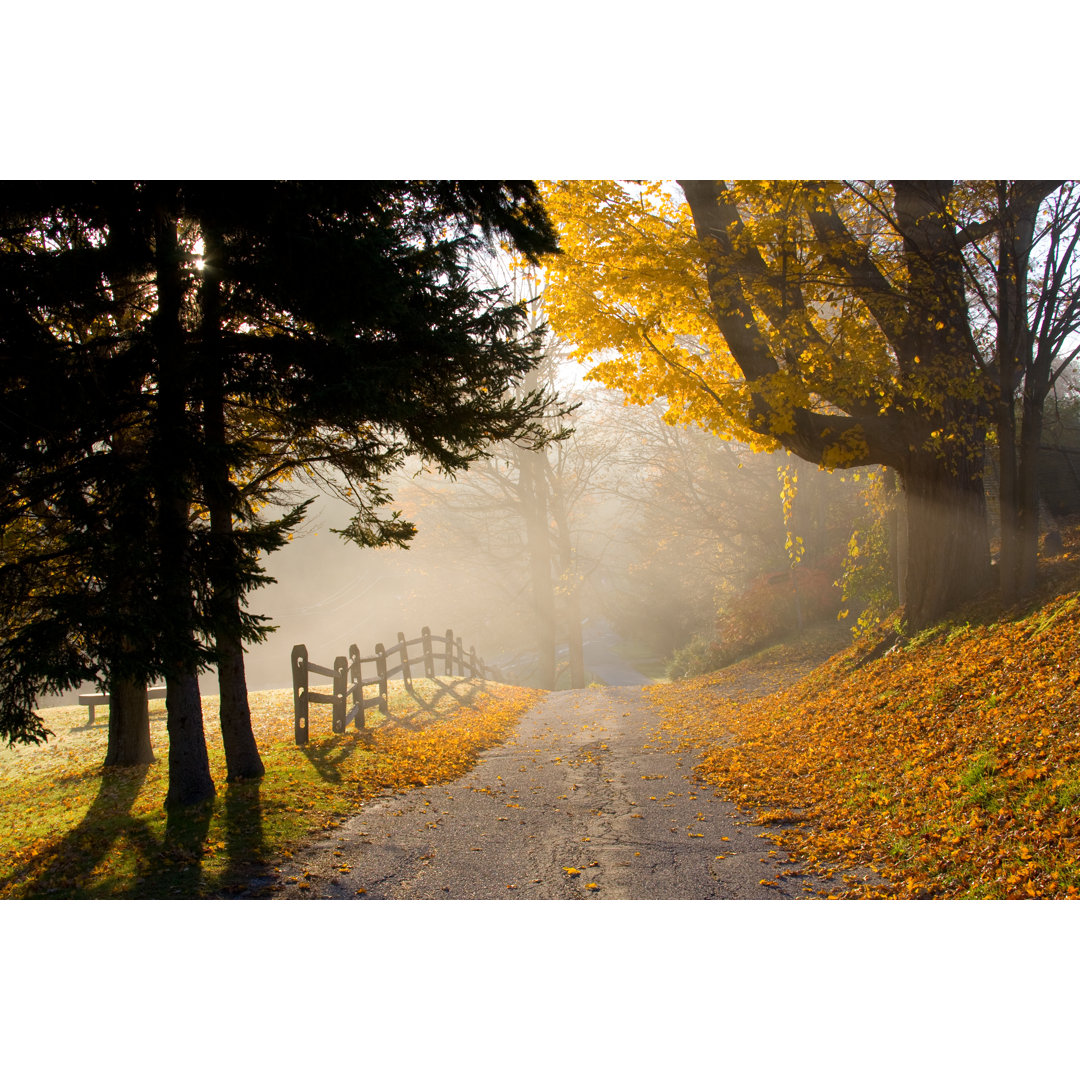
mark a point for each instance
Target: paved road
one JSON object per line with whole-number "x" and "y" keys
{"x": 584, "y": 786}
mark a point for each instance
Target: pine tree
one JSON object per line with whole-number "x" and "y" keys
{"x": 330, "y": 328}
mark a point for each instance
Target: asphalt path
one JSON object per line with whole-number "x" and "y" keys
{"x": 586, "y": 801}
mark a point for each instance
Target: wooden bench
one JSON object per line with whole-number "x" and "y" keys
{"x": 106, "y": 699}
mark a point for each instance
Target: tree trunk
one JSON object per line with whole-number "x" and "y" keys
{"x": 534, "y": 502}
{"x": 1009, "y": 559}
{"x": 569, "y": 579}
{"x": 896, "y": 520}
{"x": 1027, "y": 496}
{"x": 124, "y": 546}
{"x": 948, "y": 547}
{"x": 190, "y": 781}
{"x": 129, "y": 724}
{"x": 1018, "y": 365}
{"x": 242, "y": 759}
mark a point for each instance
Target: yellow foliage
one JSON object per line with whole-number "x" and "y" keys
{"x": 632, "y": 292}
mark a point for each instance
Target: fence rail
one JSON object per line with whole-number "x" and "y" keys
{"x": 349, "y": 682}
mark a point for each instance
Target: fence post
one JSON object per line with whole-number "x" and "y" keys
{"x": 460, "y": 657}
{"x": 300, "y": 693}
{"x": 341, "y": 672}
{"x": 357, "y": 678}
{"x": 406, "y": 667}
{"x": 472, "y": 662}
{"x": 380, "y": 670}
{"x": 429, "y": 660}
{"x": 449, "y": 652}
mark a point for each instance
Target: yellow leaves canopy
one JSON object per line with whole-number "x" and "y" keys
{"x": 801, "y": 310}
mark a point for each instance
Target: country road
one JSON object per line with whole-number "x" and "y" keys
{"x": 585, "y": 801}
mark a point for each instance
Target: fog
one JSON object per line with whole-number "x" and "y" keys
{"x": 648, "y": 532}
{"x": 639, "y": 534}
{"x": 330, "y": 594}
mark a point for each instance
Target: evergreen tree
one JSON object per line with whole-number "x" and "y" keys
{"x": 335, "y": 328}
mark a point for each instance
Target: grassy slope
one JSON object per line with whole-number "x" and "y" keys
{"x": 70, "y": 829}
{"x": 951, "y": 764}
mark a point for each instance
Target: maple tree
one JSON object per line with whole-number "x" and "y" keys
{"x": 832, "y": 319}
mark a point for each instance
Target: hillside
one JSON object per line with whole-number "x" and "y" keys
{"x": 950, "y": 763}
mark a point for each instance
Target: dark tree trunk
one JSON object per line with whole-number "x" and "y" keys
{"x": 1028, "y": 496}
{"x": 126, "y": 568}
{"x": 242, "y": 758}
{"x": 1012, "y": 321}
{"x": 1009, "y": 557}
{"x": 190, "y": 781}
{"x": 1019, "y": 366}
{"x": 947, "y": 543}
{"x": 129, "y": 725}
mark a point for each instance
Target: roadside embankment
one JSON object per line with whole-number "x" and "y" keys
{"x": 950, "y": 765}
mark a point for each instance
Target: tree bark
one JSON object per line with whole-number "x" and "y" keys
{"x": 129, "y": 724}
{"x": 130, "y": 511}
{"x": 1019, "y": 366}
{"x": 1028, "y": 495}
{"x": 242, "y": 760}
{"x": 190, "y": 781}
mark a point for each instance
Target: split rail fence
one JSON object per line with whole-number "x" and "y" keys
{"x": 349, "y": 682}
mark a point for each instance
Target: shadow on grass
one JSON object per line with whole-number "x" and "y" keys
{"x": 186, "y": 829}
{"x": 246, "y": 846}
{"x": 64, "y": 869}
{"x": 146, "y": 864}
{"x": 428, "y": 710}
{"x": 329, "y": 754}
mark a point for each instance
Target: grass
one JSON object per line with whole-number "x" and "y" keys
{"x": 70, "y": 829}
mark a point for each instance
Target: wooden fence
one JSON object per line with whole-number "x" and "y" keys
{"x": 349, "y": 682}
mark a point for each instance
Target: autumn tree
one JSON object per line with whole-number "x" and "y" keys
{"x": 832, "y": 319}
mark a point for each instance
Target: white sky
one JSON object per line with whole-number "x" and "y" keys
{"x": 221, "y": 88}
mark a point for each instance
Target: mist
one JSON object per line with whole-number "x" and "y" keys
{"x": 651, "y": 533}
{"x": 654, "y": 543}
